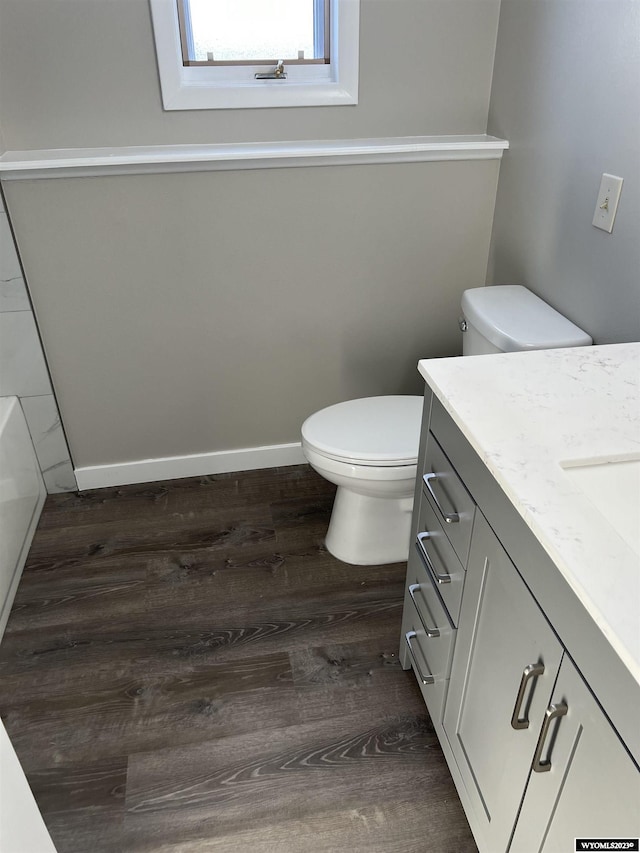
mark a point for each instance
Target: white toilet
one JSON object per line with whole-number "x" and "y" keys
{"x": 369, "y": 447}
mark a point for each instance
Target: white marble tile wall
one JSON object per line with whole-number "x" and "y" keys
{"x": 23, "y": 372}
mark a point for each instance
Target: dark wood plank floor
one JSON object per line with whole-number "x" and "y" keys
{"x": 186, "y": 668}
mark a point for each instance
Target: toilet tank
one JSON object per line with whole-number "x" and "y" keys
{"x": 510, "y": 318}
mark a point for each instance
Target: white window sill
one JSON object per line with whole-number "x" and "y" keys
{"x": 267, "y": 94}
{"x": 156, "y": 159}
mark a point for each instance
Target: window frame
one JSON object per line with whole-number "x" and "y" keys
{"x": 231, "y": 86}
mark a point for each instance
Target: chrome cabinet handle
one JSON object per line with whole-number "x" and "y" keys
{"x": 430, "y": 632}
{"x": 425, "y": 679}
{"x": 449, "y": 517}
{"x": 440, "y": 578}
{"x": 531, "y": 671}
{"x": 552, "y": 713}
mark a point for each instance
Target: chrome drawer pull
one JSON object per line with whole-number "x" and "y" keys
{"x": 430, "y": 632}
{"x": 449, "y": 517}
{"x": 440, "y": 578}
{"x": 425, "y": 679}
{"x": 552, "y": 713}
{"x": 531, "y": 671}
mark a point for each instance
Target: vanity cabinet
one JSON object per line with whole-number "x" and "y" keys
{"x": 505, "y": 665}
{"x": 583, "y": 783}
{"x": 536, "y": 760}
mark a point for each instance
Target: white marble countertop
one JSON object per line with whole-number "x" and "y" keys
{"x": 527, "y": 415}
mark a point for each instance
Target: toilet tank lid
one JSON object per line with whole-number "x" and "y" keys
{"x": 513, "y": 318}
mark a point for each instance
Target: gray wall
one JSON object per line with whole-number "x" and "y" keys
{"x": 566, "y": 93}
{"x": 178, "y": 319}
{"x": 82, "y": 73}
{"x": 178, "y": 315}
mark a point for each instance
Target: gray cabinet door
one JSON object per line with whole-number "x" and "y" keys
{"x": 506, "y": 659}
{"x": 589, "y": 786}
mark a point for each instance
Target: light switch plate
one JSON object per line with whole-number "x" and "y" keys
{"x": 607, "y": 203}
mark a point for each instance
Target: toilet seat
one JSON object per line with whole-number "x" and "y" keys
{"x": 380, "y": 473}
{"x": 371, "y": 431}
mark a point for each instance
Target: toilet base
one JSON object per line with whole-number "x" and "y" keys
{"x": 369, "y": 531}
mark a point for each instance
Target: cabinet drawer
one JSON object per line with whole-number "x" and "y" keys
{"x": 451, "y": 502}
{"x": 427, "y": 638}
{"x": 438, "y": 557}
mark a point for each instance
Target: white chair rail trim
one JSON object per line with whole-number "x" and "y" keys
{"x": 156, "y": 159}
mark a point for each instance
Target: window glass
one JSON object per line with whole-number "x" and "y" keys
{"x": 253, "y": 30}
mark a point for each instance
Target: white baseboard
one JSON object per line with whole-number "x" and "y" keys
{"x": 200, "y": 464}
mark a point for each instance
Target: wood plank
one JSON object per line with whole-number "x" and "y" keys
{"x": 308, "y": 773}
{"x": 71, "y": 719}
{"x": 199, "y": 633}
{"x": 337, "y": 680}
{"x": 84, "y": 805}
{"x": 217, "y": 531}
{"x": 179, "y": 497}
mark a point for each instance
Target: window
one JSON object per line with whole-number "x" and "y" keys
{"x": 223, "y": 54}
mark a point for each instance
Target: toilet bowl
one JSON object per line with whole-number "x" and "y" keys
{"x": 369, "y": 449}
